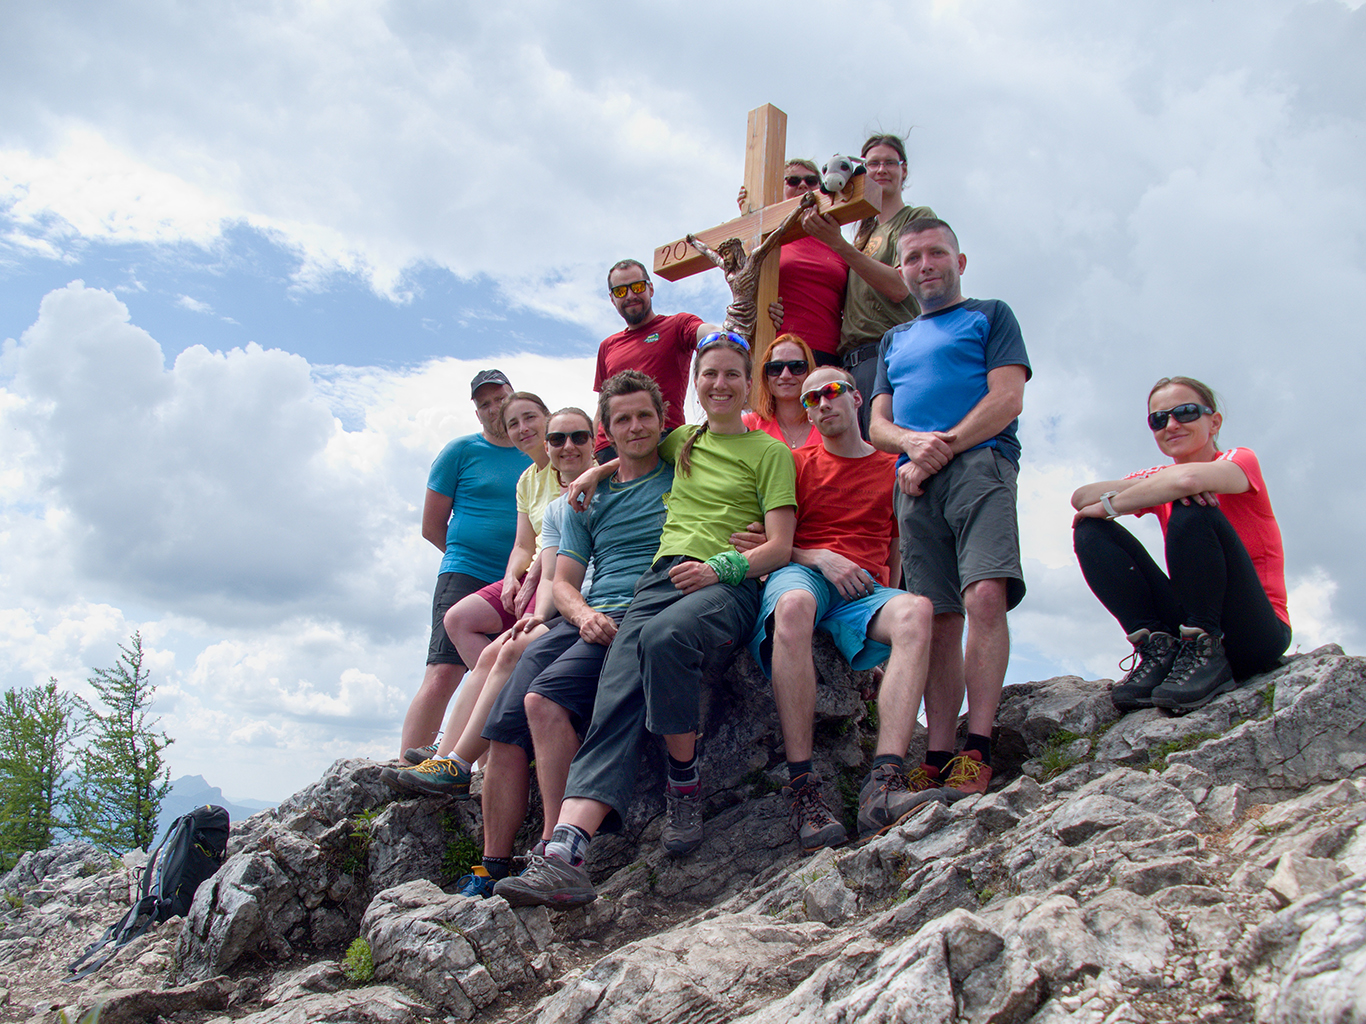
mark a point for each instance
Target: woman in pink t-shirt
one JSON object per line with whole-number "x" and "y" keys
{"x": 1219, "y": 614}
{"x": 776, "y": 402}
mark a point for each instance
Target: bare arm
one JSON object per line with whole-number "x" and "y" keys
{"x": 519, "y": 560}
{"x": 1090, "y": 493}
{"x": 885, "y": 280}
{"x": 594, "y": 626}
{"x": 1003, "y": 402}
{"x": 774, "y": 551}
{"x": 846, "y": 576}
{"x": 927, "y": 451}
{"x": 436, "y": 517}
{"x": 1173, "y": 483}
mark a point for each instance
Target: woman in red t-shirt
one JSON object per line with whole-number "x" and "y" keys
{"x": 811, "y": 277}
{"x": 1221, "y": 614}
{"x": 777, "y": 396}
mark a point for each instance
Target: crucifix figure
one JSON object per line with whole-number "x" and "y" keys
{"x": 768, "y": 217}
{"x": 742, "y": 271}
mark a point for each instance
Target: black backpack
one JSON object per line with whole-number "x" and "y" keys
{"x": 191, "y": 852}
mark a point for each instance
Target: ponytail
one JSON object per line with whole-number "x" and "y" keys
{"x": 683, "y": 461}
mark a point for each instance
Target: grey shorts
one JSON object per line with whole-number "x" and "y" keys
{"x": 961, "y": 530}
{"x": 451, "y": 587}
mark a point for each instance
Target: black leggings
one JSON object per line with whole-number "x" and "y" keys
{"x": 1213, "y": 584}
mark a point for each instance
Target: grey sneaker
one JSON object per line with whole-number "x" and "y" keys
{"x": 887, "y": 796}
{"x": 439, "y": 776}
{"x": 547, "y": 882}
{"x": 816, "y": 826}
{"x": 1201, "y": 673}
{"x": 683, "y": 830}
{"x": 416, "y": 755}
{"x": 1153, "y": 658}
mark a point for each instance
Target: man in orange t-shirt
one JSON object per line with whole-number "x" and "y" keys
{"x": 845, "y": 557}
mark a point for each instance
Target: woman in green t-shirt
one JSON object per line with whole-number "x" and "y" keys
{"x": 694, "y": 607}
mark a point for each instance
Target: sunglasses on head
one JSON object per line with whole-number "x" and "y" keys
{"x": 619, "y": 290}
{"x": 1187, "y": 412}
{"x": 715, "y": 336}
{"x": 775, "y": 367}
{"x": 809, "y": 180}
{"x": 832, "y": 390}
{"x": 557, "y": 438}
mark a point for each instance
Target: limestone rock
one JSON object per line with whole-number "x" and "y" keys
{"x": 711, "y": 970}
{"x": 1316, "y": 734}
{"x": 1307, "y": 962}
{"x": 458, "y": 953}
{"x": 375, "y": 1004}
{"x": 1297, "y": 876}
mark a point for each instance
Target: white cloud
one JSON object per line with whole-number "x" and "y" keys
{"x": 193, "y": 305}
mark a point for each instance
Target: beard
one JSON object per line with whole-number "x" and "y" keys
{"x": 636, "y": 317}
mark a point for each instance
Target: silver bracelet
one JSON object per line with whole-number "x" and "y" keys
{"x": 1110, "y": 512}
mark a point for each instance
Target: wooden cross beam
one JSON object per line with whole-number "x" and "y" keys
{"x": 765, "y": 158}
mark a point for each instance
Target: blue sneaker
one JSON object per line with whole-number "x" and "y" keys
{"x": 477, "y": 885}
{"x": 439, "y": 776}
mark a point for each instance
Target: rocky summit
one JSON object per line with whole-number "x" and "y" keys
{"x": 1210, "y": 867}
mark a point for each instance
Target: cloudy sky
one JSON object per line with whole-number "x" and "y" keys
{"x": 251, "y": 254}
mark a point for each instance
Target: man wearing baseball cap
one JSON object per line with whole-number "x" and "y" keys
{"x": 470, "y": 515}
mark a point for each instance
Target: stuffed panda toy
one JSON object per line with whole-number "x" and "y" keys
{"x": 838, "y": 171}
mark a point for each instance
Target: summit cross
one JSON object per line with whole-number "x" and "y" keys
{"x": 765, "y": 158}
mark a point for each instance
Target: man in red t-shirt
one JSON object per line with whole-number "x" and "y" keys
{"x": 660, "y": 346}
{"x": 845, "y": 559}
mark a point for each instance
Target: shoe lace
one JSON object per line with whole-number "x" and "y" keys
{"x": 1193, "y": 651}
{"x": 918, "y": 780}
{"x": 808, "y": 805}
{"x": 684, "y": 811}
{"x": 965, "y": 770}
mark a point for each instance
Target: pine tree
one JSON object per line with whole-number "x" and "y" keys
{"x": 122, "y": 780}
{"x": 38, "y": 725}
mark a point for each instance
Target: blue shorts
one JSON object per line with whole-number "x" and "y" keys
{"x": 845, "y": 621}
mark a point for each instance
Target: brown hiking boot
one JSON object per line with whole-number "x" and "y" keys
{"x": 887, "y": 796}
{"x": 816, "y": 826}
{"x": 966, "y": 775}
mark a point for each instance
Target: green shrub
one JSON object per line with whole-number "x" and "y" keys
{"x": 358, "y": 965}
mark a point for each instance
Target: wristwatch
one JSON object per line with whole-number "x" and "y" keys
{"x": 1110, "y": 512}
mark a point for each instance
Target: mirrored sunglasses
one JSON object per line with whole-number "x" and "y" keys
{"x": 775, "y": 367}
{"x": 1187, "y": 412}
{"x": 715, "y": 336}
{"x": 557, "y": 438}
{"x": 619, "y": 291}
{"x": 833, "y": 390}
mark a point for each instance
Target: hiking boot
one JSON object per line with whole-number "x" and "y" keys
{"x": 683, "y": 827}
{"x": 966, "y": 775}
{"x": 437, "y": 776}
{"x": 1200, "y": 674}
{"x": 888, "y": 795}
{"x": 812, "y": 820}
{"x": 478, "y": 884}
{"x": 1152, "y": 660}
{"x": 416, "y": 755}
{"x": 547, "y": 882}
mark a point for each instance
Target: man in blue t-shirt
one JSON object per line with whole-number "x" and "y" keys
{"x": 546, "y": 704}
{"x": 470, "y": 515}
{"x": 950, "y": 385}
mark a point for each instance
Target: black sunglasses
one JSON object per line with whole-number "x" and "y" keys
{"x": 775, "y": 368}
{"x": 578, "y": 437}
{"x": 809, "y": 180}
{"x": 1187, "y": 412}
{"x": 619, "y": 290}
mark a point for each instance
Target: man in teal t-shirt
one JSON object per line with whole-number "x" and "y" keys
{"x": 470, "y": 515}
